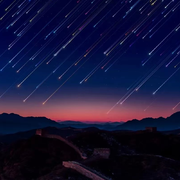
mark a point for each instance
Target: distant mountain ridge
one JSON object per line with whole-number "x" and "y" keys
{"x": 110, "y": 126}
{"x": 13, "y": 123}
{"x": 163, "y": 124}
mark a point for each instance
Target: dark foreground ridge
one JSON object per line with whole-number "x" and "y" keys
{"x": 35, "y": 157}
{"x": 116, "y": 155}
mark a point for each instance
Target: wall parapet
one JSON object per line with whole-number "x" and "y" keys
{"x": 84, "y": 170}
{"x": 41, "y": 132}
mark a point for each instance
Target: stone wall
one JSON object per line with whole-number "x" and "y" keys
{"x": 84, "y": 170}
{"x": 43, "y": 133}
{"x": 68, "y": 143}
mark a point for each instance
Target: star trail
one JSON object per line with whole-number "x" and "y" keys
{"x": 114, "y": 59}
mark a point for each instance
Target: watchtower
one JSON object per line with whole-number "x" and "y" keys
{"x": 41, "y": 132}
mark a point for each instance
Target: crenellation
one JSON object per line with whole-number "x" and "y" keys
{"x": 43, "y": 133}
{"x": 86, "y": 171}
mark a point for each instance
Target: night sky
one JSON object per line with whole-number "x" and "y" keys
{"x": 90, "y": 60}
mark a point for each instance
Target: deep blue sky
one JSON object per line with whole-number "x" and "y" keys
{"x": 109, "y": 41}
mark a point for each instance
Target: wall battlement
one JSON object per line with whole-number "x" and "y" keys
{"x": 43, "y": 133}
{"x": 86, "y": 171}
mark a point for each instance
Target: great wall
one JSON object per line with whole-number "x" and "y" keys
{"x": 43, "y": 133}
{"x": 84, "y": 170}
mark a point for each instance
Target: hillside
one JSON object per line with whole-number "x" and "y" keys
{"x": 150, "y": 143}
{"x": 63, "y": 132}
{"x": 33, "y": 158}
{"x": 138, "y": 167}
{"x": 140, "y": 142}
{"x": 137, "y": 155}
{"x": 11, "y": 138}
{"x": 88, "y": 140}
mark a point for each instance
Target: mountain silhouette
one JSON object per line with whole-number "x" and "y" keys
{"x": 163, "y": 124}
{"x": 12, "y": 123}
{"x": 109, "y": 126}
